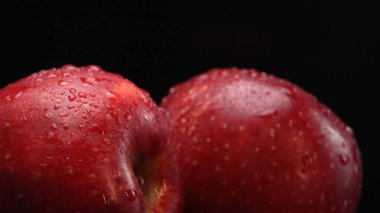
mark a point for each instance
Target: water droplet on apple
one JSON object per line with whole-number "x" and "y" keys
{"x": 87, "y": 81}
{"x": 72, "y": 91}
{"x": 343, "y": 159}
{"x": 18, "y": 95}
{"x": 70, "y": 106}
{"x": 67, "y": 75}
{"x": 110, "y": 94}
{"x": 62, "y": 83}
{"x": 91, "y": 112}
{"x": 305, "y": 160}
{"x": 56, "y": 106}
{"x": 54, "y": 126}
{"x": 64, "y": 114}
{"x": 65, "y": 126}
{"x": 50, "y": 135}
{"x": 140, "y": 180}
{"x": 131, "y": 194}
{"x": 106, "y": 200}
{"x": 71, "y": 97}
{"x": 266, "y": 112}
{"x": 82, "y": 126}
{"x": 82, "y": 95}
{"x": 349, "y": 130}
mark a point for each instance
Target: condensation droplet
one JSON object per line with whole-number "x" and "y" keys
{"x": 70, "y": 106}
{"x": 343, "y": 159}
{"x": 56, "y": 106}
{"x": 65, "y": 126}
{"x": 18, "y": 95}
{"x": 266, "y": 112}
{"x": 131, "y": 194}
{"x": 87, "y": 81}
{"x": 305, "y": 160}
{"x": 82, "y": 95}
{"x": 110, "y": 94}
{"x": 140, "y": 180}
{"x": 50, "y": 135}
{"x": 67, "y": 75}
{"x": 64, "y": 114}
{"x": 349, "y": 130}
{"x": 72, "y": 91}
{"x": 62, "y": 83}
{"x": 71, "y": 97}
{"x": 48, "y": 115}
{"x": 82, "y": 126}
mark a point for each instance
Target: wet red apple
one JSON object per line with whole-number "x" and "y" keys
{"x": 251, "y": 142}
{"x": 79, "y": 139}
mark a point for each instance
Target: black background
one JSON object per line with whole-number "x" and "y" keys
{"x": 329, "y": 49}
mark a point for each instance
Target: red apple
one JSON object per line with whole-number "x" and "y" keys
{"x": 84, "y": 140}
{"x": 250, "y": 142}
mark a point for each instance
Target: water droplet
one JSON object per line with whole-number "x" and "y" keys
{"x": 110, "y": 94}
{"x": 70, "y": 106}
{"x": 95, "y": 105}
{"x": 82, "y": 126}
{"x": 71, "y": 97}
{"x": 62, "y": 83}
{"x": 349, "y": 130}
{"x": 7, "y": 156}
{"x": 54, "y": 127}
{"x": 65, "y": 126}
{"x": 56, "y": 106}
{"x": 72, "y": 91}
{"x": 67, "y": 75}
{"x": 64, "y": 114}
{"x": 92, "y": 94}
{"x": 343, "y": 159}
{"x": 266, "y": 112}
{"x": 94, "y": 68}
{"x": 87, "y": 81}
{"x": 140, "y": 180}
{"x": 272, "y": 133}
{"x": 305, "y": 160}
{"x": 131, "y": 194}
{"x": 69, "y": 67}
{"x": 18, "y": 95}
{"x": 82, "y": 95}
{"x": 48, "y": 115}
{"x": 106, "y": 200}
{"x": 50, "y": 135}
{"x": 91, "y": 112}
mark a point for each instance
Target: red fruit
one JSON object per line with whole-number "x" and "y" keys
{"x": 250, "y": 142}
{"x": 83, "y": 140}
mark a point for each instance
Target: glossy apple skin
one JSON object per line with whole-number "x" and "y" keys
{"x": 79, "y": 139}
{"x": 250, "y": 142}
